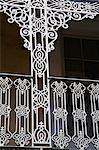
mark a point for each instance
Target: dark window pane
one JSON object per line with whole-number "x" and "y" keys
{"x": 81, "y": 58}
{"x": 91, "y": 49}
{"x": 72, "y": 48}
{"x": 92, "y": 70}
{"x": 74, "y": 68}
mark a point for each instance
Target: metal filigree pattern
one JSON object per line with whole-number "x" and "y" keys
{"x": 58, "y": 15}
{"x": 39, "y": 59}
{"x": 5, "y": 83}
{"x": 39, "y": 21}
{"x": 79, "y": 114}
{"x": 81, "y": 141}
{"x": 18, "y": 11}
{"x": 80, "y": 137}
{"x": 41, "y": 134}
{"x": 59, "y": 88}
{"x": 22, "y": 134}
{"x": 5, "y": 87}
{"x": 38, "y": 25}
{"x": 40, "y": 102}
{"x": 95, "y": 115}
{"x": 78, "y": 89}
{"x": 38, "y": 3}
{"x": 40, "y": 98}
{"x": 4, "y": 110}
{"x": 94, "y": 97}
{"x": 22, "y": 85}
{"x": 61, "y": 140}
{"x": 60, "y": 12}
{"x": 22, "y": 138}
{"x": 4, "y": 136}
{"x": 60, "y": 113}
{"x": 73, "y": 6}
{"x": 60, "y": 135}
{"x": 22, "y": 111}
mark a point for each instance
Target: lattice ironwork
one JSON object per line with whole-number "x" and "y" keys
{"x": 20, "y": 131}
{"x": 94, "y": 97}
{"x": 69, "y": 102}
{"x": 22, "y": 134}
{"x": 80, "y": 137}
{"x": 39, "y": 21}
{"x": 5, "y": 86}
{"x": 60, "y": 135}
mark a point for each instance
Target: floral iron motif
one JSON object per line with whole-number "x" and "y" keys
{"x": 94, "y": 97}
{"x": 39, "y": 21}
{"x": 22, "y": 134}
{"x": 5, "y": 109}
{"x": 80, "y": 137}
{"x": 60, "y": 136}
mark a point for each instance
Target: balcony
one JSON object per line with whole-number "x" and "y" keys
{"x": 74, "y": 112}
{"x": 15, "y": 109}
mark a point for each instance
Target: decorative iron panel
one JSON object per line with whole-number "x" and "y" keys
{"x": 39, "y": 21}
{"x": 74, "y": 113}
{"x": 15, "y": 110}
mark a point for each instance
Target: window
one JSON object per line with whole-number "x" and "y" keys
{"x": 76, "y": 51}
{"x": 81, "y": 57}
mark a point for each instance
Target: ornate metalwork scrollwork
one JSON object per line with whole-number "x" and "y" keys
{"x": 94, "y": 97}
{"x": 39, "y": 21}
{"x": 22, "y": 134}
{"x": 5, "y": 134}
{"x": 60, "y": 136}
{"x": 80, "y": 137}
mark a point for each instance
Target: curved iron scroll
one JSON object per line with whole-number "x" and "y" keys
{"x": 39, "y": 21}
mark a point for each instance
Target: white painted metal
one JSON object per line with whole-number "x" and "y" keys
{"x": 39, "y": 21}
{"x": 21, "y": 129}
{"x": 94, "y": 97}
{"x": 60, "y": 136}
{"x": 80, "y": 137}
{"x": 22, "y": 134}
{"x": 5, "y": 86}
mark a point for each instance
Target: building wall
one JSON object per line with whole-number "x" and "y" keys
{"x": 86, "y": 29}
{"x": 14, "y": 57}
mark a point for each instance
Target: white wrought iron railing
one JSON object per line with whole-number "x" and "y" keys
{"x": 15, "y": 109}
{"x": 19, "y": 104}
{"x": 25, "y": 110}
{"x": 74, "y": 113}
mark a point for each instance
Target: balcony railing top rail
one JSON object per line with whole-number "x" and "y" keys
{"x": 72, "y": 79}
{"x": 15, "y": 75}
